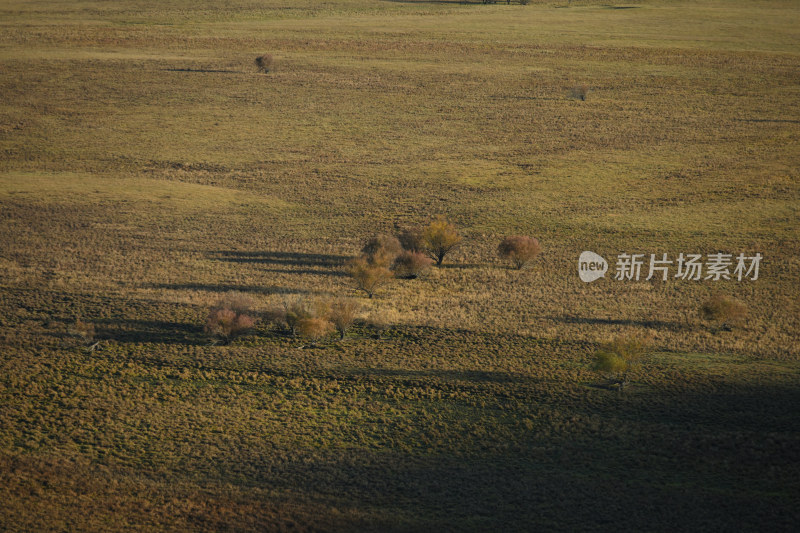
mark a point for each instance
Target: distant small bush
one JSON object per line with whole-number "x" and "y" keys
{"x": 724, "y": 311}
{"x": 580, "y": 92}
{"x": 621, "y": 356}
{"x": 264, "y": 63}
{"x": 410, "y": 265}
{"x": 382, "y": 250}
{"x": 342, "y": 314}
{"x": 439, "y": 238}
{"x": 368, "y": 276}
{"x": 230, "y": 318}
{"x": 519, "y": 250}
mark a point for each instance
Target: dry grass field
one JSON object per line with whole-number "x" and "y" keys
{"x": 147, "y": 168}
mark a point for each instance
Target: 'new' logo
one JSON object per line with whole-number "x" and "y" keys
{"x": 591, "y": 267}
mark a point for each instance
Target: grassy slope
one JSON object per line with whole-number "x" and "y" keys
{"x": 146, "y": 167}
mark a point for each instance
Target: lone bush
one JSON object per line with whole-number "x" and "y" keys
{"x": 580, "y": 92}
{"x": 410, "y": 265}
{"x": 368, "y": 276}
{"x": 621, "y": 356}
{"x": 724, "y": 311}
{"x": 264, "y": 63}
{"x": 519, "y": 250}
{"x": 439, "y": 237}
{"x": 229, "y": 318}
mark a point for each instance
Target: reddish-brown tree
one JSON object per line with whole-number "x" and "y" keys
{"x": 410, "y": 265}
{"x": 519, "y": 250}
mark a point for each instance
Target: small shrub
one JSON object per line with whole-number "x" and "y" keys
{"x": 382, "y": 250}
{"x": 580, "y": 92}
{"x": 439, "y": 237}
{"x": 410, "y": 265}
{"x": 519, "y": 250}
{"x": 264, "y": 63}
{"x": 315, "y": 328}
{"x": 227, "y": 324}
{"x": 620, "y": 357}
{"x": 724, "y": 311}
{"x": 368, "y": 277}
{"x": 342, "y": 314}
{"x": 230, "y": 317}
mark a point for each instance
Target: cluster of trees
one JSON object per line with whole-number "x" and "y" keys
{"x": 233, "y": 316}
{"x": 411, "y": 252}
{"x": 408, "y": 255}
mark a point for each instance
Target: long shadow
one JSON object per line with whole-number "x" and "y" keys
{"x": 316, "y": 264}
{"x": 442, "y": 375}
{"x": 615, "y": 322}
{"x": 314, "y": 272}
{"x": 773, "y": 120}
{"x": 149, "y": 331}
{"x": 460, "y": 266}
{"x": 281, "y": 258}
{"x": 202, "y": 70}
{"x": 257, "y": 289}
{"x": 438, "y": 1}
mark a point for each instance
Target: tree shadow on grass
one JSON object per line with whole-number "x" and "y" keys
{"x": 281, "y": 258}
{"x": 212, "y": 287}
{"x": 616, "y": 322}
{"x": 459, "y": 266}
{"x": 435, "y": 1}
{"x": 149, "y": 331}
{"x": 304, "y": 263}
{"x": 203, "y": 70}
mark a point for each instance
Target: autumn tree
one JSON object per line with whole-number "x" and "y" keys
{"x": 410, "y": 265}
{"x": 342, "y": 314}
{"x": 382, "y": 250}
{"x": 287, "y": 315}
{"x": 439, "y": 237}
{"x": 367, "y": 275}
{"x": 230, "y": 317}
{"x": 315, "y": 328}
{"x": 519, "y": 250}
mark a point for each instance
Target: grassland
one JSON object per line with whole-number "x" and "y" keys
{"x": 147, "y": 168}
